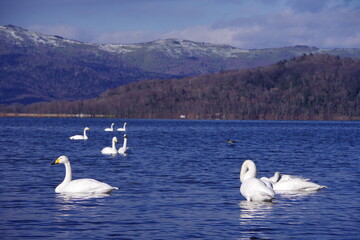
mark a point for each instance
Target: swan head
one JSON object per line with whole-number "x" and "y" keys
{"x": 87, "y": 128}
{"x": 114, "y": 139}
{"x": 125, "y": 136}
{"x": 62, "y": 159}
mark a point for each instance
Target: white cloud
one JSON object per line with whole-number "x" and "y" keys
{"x": 205, "y": 34}
{"x": 289, "y": 28}
{"x": 125, "y": 37}
{"x": 328, "y": 28}
{"x": 328, "y": 24}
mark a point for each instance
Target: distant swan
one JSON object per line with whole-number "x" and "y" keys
{"x": 252, "y": 188}
{"x": 292, "y": 183}
{"x": 110, "y": 129}
{"x": 84, "y": 185}
{"x": 80, "y": 137}
{"x": 110, "y": 150}
{"x": 124, "y": 148}
{"x": 123, "y": 129}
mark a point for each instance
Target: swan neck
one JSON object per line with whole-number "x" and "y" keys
{"x": 125, "y": 142}
{"x": 68, "y": 173}
{"x": 67, "y": 179}
{"x": 248, "y": 170}
{"x": 113, "y": 144}
{"x": 85, "y": 133}
{"x": 276, "y": 177}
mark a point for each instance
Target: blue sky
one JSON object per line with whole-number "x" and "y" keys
{"x": 240, "y": 23}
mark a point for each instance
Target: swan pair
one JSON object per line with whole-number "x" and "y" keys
{"x": 112, "y": 150}
{"x": 81, "y": 137}
{"x": 111, "y": 129}
{"x": 264, "y": 189}
{"x": 84, "y": 185}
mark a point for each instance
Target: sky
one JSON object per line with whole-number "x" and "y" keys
{"x": 248, "y": 24}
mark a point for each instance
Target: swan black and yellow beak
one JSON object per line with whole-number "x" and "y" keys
{"x": 56, "y": 161}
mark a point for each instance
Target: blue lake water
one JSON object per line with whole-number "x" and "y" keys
{"x": 181, "y": 180}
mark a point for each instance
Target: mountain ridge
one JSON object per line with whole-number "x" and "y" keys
{"x": 38, "y": 67}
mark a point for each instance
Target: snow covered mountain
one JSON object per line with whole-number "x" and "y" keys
{"x": 38, "y": 67}
{"x": 18, "y": 36}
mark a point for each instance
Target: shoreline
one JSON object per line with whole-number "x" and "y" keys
{"x": 211, "y": 117}
{"x": 62, "y": 115}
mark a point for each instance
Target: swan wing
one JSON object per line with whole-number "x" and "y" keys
{"x": 108, "y": 150}
{"x": 77, "y": 137}
{"x": 87, "y": 185}
{"x": 123, "y": 150}
{"x": 297, "y": 184}
{"x": 254, "y": 189}
{"x": 267, "y": 182}
{"x": 287, "y": 177}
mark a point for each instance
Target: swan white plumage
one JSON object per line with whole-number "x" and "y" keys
{"x": 84, "y": 185}
{"x": 80, "y": 137}
{"x": 123, "y": 129}
{"x": 252, "y": 188}
{"x": 286, "y": 182}
{"x": 124, "y": 148}
{"x": 112, "y": 149}
{"x": 277, "y": 176}
{"x": 110, "y": 129}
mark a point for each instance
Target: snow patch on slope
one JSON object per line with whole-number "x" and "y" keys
{"x": 119, "y": 48}
{"x": 20, "y": 35}
{"x": 177, "y": 48}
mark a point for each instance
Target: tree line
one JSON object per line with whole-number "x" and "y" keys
{"x": 310, "y": 87}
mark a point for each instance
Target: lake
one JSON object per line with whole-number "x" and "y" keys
{"x": 180, "y": 180}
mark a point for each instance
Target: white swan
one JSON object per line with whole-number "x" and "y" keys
{"x": 283, "y": 183}
{"x": 124, "y": 148}
{"x": 80, "y": 137}
{"x": 252, "y": 188}
{"x": 84, "y": 185}
{"x": 110, "y": 129}
{"x": 110, "y": 150}
{"x": 123, "y": 129}
{"x": 277, "y": 176}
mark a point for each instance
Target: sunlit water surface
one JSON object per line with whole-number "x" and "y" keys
{"x": 180, "y": 181}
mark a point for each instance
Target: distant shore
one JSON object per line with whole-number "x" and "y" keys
{"x": 188, "y": 117}
{"x": 51, "y": 115}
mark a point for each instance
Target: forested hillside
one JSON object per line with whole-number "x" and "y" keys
{"x": 317, "y": 87}
{"x": 36, "y": 67}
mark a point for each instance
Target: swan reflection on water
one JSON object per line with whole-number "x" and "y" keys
{"x": 294, "y": 195}
{"x": 73, "y": 197}
{"x": 69, "y": 201}
{"x": 68, "y": 204}
{"x": 254, "y": 210}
